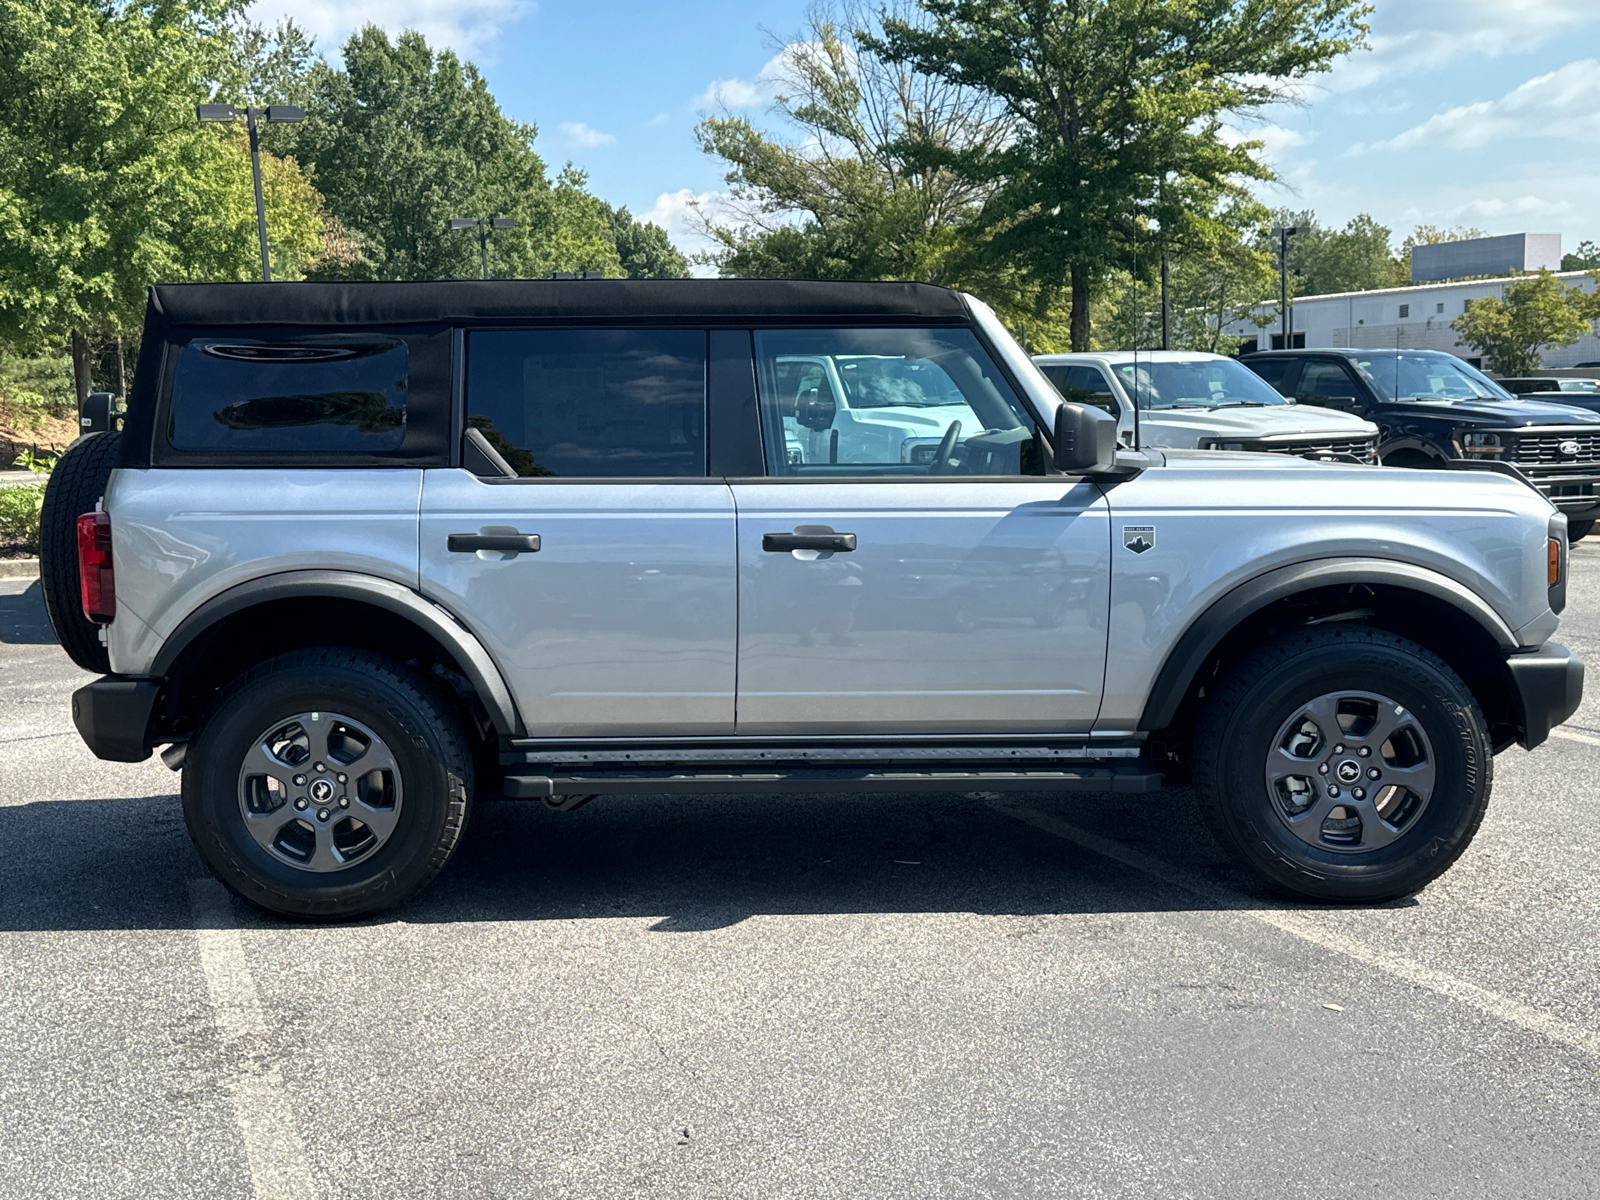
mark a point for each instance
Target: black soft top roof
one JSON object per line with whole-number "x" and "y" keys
{"x": 521, "y": 299}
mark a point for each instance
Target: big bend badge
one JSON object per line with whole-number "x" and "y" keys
{"x": 1139, "y": 538}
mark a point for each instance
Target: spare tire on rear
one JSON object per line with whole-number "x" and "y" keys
{"x": 76, "y": 485}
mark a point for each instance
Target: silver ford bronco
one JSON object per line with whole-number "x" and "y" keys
{"x": 364, "y": 554}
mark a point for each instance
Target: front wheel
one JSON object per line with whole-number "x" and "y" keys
{"x": 1579, "y": 529}
{"x": 327, "y": 784}
{"x": 1344, "y": 764}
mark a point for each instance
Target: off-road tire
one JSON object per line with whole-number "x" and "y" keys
{"x": 1243, "y": 712}
{"x": 419, "y": 727}
{"x": 76, "y": 485}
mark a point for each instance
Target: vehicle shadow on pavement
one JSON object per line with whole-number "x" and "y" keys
{"x": 22, "y": 619}
{"x": 686, "y": 863}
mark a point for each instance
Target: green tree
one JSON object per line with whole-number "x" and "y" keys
{"x": 645, "y": 249}
{"x": 403, "y": 138}
{"x": 1538, "y": 311}
{"x": 842, "y": 197}
{"x": 1356, "y": 258}
{"x": 1585, "y": 258}
{"x": 1113, "y": 104}
{"x": 107, "y": 183}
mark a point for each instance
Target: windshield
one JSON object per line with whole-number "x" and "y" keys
{"x": 1428, "y": 377}
{"x": 874, "y": 380}
{"x": 1204, "y": 383}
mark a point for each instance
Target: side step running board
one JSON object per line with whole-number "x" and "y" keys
{"x": 1128, "y": 778}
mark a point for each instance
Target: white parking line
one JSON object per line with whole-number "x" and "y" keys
{"x": 1585, "y": 738}
{"x": 261, "y": 1104}
{"x": 1493, "y": 1003}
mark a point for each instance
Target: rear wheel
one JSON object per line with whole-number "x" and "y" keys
{"x": 1344, "y": 764}
{"x": 76, "y": 485}
{"x": 327, "y": 784}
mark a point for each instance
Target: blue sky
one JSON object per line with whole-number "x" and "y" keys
{"x": 1465, "y": 112}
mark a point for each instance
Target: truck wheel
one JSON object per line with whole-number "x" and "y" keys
{"x": 1577, "y": 530}
{"x": 76, "y": 486}
{"x": 327, "y": 784}
{"x": 1344, "y": 764}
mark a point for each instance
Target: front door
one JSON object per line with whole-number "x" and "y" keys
{"x": 884, "y": 592}
{"x": 623, "y": 620}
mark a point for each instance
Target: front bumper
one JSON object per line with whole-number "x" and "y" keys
{"x": 1572, "y": 488}
{"x": 1547, "y": 687}
{"x": 113, "y": 717}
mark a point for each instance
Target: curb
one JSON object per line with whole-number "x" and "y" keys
{"x": 19, "y": 568}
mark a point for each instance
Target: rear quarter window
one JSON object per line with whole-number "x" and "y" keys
{"x": 329, "y": 394}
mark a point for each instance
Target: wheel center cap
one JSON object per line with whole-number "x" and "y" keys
{"x": 1348, "y": 771}
{"x": 322, "y": 790}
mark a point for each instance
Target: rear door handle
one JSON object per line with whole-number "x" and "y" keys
{"x": 505, "y": 543}
{"x": 782, "y": 543}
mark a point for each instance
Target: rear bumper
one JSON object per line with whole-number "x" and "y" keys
{"x": 1547, "y": 687}
{"x": 113, "y": 717}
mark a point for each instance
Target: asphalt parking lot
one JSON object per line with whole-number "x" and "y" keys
{"x": 748, "y": 996}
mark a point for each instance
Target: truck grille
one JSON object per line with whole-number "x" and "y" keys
{"x": 1363, "y": 449}
{"x": 1546, "y": 447}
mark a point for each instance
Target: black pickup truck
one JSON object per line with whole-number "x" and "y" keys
{"x": 1431, "y": 408}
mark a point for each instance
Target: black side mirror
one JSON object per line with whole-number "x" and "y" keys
{"x": 97, "y": 413}
{"x": 815, "y": 410}
{"x": 1085, "y": 439}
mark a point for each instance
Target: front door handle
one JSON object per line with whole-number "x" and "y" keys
{"x": 782, "y": 543}
{"x": 506, "y": 542}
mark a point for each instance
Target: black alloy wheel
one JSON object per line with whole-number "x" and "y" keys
{"x": 328, "y": 784}
{"x": 1344, "y": 764}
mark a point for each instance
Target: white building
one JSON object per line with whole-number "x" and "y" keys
{"x": 1405, "y": 318}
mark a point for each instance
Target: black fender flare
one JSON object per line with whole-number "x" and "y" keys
{"x": 437, "y": 622}
{"x": 1225, "y": 613}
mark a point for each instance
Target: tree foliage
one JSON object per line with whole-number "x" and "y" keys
{"x": 1116, "y": 111}
{"x": 645, "y": 250}
{"x": 107, "y": 183}
{"x": 847, "y": 195}
{"x": 1586, "y": 257}
{"x": 1538, "y": 311}
{"x": 401, "y": 139}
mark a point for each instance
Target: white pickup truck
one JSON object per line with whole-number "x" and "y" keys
{"x": 1190, "y": 400}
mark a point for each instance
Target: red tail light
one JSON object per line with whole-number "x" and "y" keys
{"x": 94, "y": 567}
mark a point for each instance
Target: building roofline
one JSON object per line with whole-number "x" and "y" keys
{"x": 1424, "y": 287}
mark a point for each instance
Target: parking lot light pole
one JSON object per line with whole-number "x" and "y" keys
{"x": 227, "y": 114}
{"x": 483, "y": 225}
{"x": 1284, "y": 232}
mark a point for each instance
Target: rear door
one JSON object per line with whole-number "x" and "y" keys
{"x": 622, "y": 621}
{"x": 955, "y": 590}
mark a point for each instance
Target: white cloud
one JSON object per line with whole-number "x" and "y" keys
{"x": 469, "y": 27}
{"x": 588, "y": 136}
{"x": 1274, "y": 139}
{"x": 677, "y": 213}
{"x": 1562, "y": 104}
{"x": 768, "y": 83}
{"x": 1411, "y": 37}
{"x": 660, "y": 118}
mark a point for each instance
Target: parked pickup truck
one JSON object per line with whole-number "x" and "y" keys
{"x": 1194, "y": 400}
{"x": 1433, "y": 409}
{"x": 364, "y": 555}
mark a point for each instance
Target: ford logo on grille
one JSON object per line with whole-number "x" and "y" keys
{"x": 1569, "y": 449}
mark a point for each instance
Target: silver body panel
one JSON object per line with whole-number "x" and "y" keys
{"x": 1220, "y": 519}
{"x": 623, "y": 622}
{"x": 182, "y": 536}
{"x": 967, "y": 606}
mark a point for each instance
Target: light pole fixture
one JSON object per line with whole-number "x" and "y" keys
{"x": 227, "y": 114}
{"x": 1285, "y": 232}
{"x": 483, "y": 225}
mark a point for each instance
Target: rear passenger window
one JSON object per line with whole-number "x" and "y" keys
{"x": 595, "y": 403}
{"x": 339, "y": 393}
